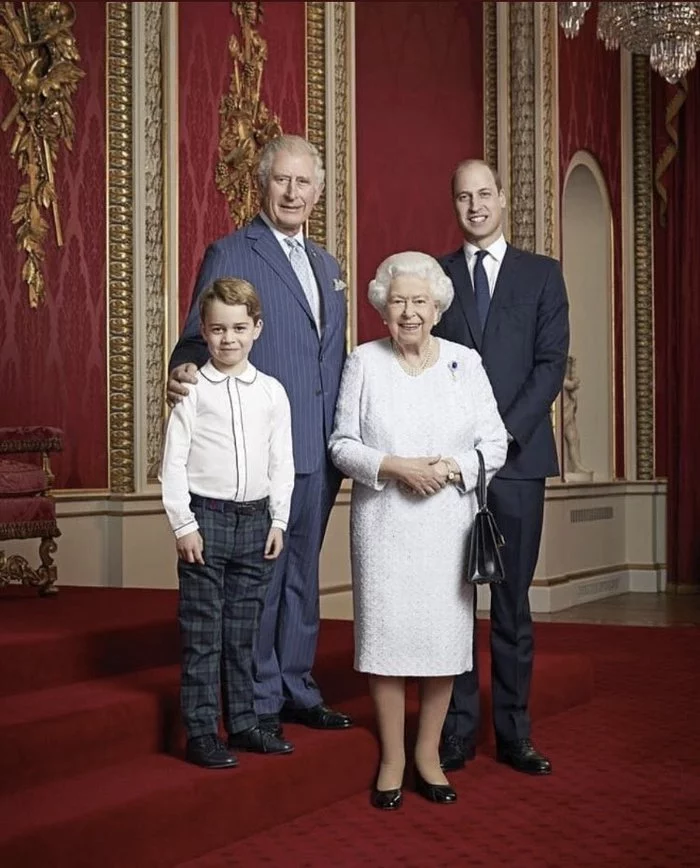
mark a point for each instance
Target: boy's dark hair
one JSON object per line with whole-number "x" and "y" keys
{"x": 231, "y": 290}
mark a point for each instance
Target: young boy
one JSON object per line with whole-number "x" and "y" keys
{"x": 227, "y": 478}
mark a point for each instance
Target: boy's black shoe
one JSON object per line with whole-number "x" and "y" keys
{"x": 259, "y": 740}
{"x": 209, "y": 752}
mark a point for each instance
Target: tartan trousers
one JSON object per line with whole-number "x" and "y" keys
{"x": 219, "y": 612}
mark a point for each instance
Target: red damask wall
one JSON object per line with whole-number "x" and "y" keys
{"x": 589, "y": 119}
{"x": 418, "y": 113}
{"x": 204, "y": 77}
{"x": 52, "y": 359}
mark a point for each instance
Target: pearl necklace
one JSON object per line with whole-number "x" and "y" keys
{"x": 413, "y": 370}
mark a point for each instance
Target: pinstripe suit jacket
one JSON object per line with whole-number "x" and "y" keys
{"x": 289, "y": 348}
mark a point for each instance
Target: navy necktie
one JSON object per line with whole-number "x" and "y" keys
{"x": 481, "y": 288}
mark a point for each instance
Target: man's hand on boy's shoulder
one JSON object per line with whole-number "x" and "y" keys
{"x": 274, "y": 544}
{"x": 190, "y": 547}
{"x": 176, "y": 391}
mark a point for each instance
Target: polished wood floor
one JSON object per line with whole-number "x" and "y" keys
{"x": 650, "y": 610}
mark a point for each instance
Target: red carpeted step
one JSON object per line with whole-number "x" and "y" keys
{"x": 102, "y": 722}
{"x": 117, "y": 815}
{"x": 624, "y": 793}
{"x": 68, "y": 730}
{"x": 83, "y": 633}
{"x": 157, "y": 810}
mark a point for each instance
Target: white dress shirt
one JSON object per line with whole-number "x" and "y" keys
{"x": 492, "y": 261}
{"x": 281, "y": 237}
{"x": 230, "y": 438}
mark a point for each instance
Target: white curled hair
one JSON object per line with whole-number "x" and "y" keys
{"x": 411, "y": 264}
{"x": 290, "y": 145}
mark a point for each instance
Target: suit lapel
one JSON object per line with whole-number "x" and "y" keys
{"x": 318, "y": 266}
{"x": 464, "y": 291}
{"x": 266, "y": 245}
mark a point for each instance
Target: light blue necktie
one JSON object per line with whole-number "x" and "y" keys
{"x": 302, "y": 269}
{"x": 481, "y": 288}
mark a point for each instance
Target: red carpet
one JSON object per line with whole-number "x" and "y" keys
{"x": 624, "y": 794}
{"x": 88, "y": 726}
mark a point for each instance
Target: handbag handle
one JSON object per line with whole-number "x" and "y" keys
{"x": 481, "y": 481}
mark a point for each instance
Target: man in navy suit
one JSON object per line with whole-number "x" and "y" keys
{"x": 302, "y": 345}
{"x": 511, "y": 306}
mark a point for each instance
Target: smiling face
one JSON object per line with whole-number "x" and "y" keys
{"x": 478, "y": 204}
{"x": 291, "y": 192}
{"x": 229, "y": 331}
{"x": 411, "y": 312}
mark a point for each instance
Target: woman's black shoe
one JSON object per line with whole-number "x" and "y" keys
{"x": 442, "y": 794}
{"x": 386, "y": 800}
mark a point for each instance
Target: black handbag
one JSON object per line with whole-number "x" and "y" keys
{"x": 484, "y": 562}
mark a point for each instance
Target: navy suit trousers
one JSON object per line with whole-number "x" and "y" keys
{"x": 518, "y": 507}
{"x": 290, "y": 620}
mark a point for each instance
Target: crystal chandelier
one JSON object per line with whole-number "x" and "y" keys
{"x": 571, "y": 17}
{"x": 668, "y": 32}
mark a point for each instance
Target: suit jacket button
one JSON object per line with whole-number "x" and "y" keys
{"x": 319, "y": 392}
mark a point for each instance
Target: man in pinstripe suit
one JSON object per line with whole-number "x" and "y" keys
{"x": 302, "y": 345}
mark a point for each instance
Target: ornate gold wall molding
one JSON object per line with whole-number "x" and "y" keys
{"x": 316, "y": 104}
{"x": 341, "y": 103}
{"x": 155, "y": 219}
{"x": 522, "y": 125}
{"x": 643, "y": 269}
{"x": 328, "y": 120}
{"x": 548, "y": 126}
{"x": 120, "y": 356}
{"x": 490, "y": 84}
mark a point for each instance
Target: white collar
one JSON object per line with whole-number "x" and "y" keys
{"x": 280, "y": 236}
{"x": 209, "y": 372}
{"x": 497, "y": 249}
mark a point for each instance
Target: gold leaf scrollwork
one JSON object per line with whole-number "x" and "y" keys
{"x": 246, "y": 123}
{"x": 38, "y": 54}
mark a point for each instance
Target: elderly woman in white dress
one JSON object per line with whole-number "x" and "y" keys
{"x": 412, "y": 410}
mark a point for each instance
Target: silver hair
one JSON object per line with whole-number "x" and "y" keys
{"x": 413, "y": 264}
{"x": 290, "y": 145}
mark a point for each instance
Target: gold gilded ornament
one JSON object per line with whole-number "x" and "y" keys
{"x": 246, "y": 123}
{"x": 39, "y": 56}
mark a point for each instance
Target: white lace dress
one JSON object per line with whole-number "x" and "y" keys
{"x": 413, "y": 610}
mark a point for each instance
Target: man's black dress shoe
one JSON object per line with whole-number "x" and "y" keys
{"x": 271, "y": 723}
{"x": 522, "y": 756}
{"x": 259, "y": 740}
{"x": 442, "y": 794}
{"x": 386, "y": 800}
{"x": 209, "y": 752}
{"x": 455, "y": 751}
{"x": 317, "y": 717}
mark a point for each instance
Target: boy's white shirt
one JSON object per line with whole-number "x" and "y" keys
{"x": 230, "y": 438}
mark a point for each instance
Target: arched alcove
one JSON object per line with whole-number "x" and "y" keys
{"x": 587, "y": 258}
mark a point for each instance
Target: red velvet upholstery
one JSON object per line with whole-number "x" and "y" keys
{"x": 27, "y": 517}
{"x": 18, "y": 478}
